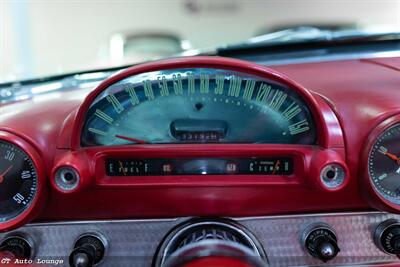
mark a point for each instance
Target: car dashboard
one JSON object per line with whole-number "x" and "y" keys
{"x": 207, "y": 161}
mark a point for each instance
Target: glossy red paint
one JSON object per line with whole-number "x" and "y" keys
{"x": 212, "y": 195}
{"x": 391, "y": 63}
{"x": 347, "y": 98}
{"x": 37, "y": 203}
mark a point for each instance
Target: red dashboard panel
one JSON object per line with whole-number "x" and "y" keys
{"x": 346, "y": 99}
{"x": 204, "y": 195}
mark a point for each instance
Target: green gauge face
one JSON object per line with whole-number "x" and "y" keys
{"x": 197, "y": 106}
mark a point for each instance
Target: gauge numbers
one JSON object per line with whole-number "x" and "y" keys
{"x": 197, "y": 106}
{"x": 18, "y": 181}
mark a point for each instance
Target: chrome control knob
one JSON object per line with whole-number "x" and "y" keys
{"x": 387, "y": 237}
{"x": 83, "y": 259}
{"x": 320, "y": 242}
{"x": 89, "y": 250}
{"x": 19, "y": 246}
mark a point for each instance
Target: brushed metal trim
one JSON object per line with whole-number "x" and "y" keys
{"x": 135, "y": 242}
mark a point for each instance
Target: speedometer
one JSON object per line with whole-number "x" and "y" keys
{"x": 197, "y": 105}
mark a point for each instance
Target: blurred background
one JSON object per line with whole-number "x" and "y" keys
{"x": 39, "y": 38}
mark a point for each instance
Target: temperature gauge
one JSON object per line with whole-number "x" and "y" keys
{"x": 282, "y": 166}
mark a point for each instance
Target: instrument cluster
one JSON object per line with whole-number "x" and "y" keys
{"x": 226, "y": 131}
{"x": 206, "y": 124}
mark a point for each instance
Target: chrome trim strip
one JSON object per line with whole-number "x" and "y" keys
{"x": 135, "y": 242}
{"x": 180, "y": 219}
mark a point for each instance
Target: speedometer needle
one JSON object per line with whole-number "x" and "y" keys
{"x": 393, "y": 157}
{"x": 4, "y": 173}
{"x": 130, "y": 139}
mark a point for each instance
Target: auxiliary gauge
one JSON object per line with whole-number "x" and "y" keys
{"x": 381, "y": 180}
{"x": 20, "y": 182}
{"x": 384, "y": 164}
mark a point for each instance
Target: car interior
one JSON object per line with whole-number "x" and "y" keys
{"x": 278, "y": 148}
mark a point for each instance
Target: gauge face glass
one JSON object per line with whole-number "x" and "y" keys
{"x": 197, "y": 106}
{"x": 384, "y": 164}
{"x": 18, "y": 181}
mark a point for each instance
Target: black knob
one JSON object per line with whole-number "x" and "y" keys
{"x": 320, "y": 242}
{"x": 89, "y": 250}
{"x": 387, "y": 236}
{"x": 20, "y": 246}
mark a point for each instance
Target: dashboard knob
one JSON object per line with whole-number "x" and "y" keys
{"x": 19, "y": 246}
{"x": 387, "y": 237}
{"x": 89, "y": 250}
{"x": 320, "y": 241}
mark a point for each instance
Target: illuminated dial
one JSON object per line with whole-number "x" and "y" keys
{"x": 18, "y": 181}
{"x": 384, "y": 164}
{"x": 197, "y": 106}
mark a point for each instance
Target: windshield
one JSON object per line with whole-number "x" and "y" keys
{"x": 44, "y": 38}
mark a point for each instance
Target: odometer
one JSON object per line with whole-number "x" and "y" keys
{"x": 384, "y": 164}
{"x": 197, "y": 105}
{"x": 18, "y": 181}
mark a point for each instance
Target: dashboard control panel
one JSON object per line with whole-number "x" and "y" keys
{"x": 199, "y": 166}
{"x": 340, "y": 239}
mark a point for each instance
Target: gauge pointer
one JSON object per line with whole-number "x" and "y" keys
{"x": 393, "y": 157}
{"x": 138, "y": 141}
{"x": 276, "y": 166}
{"x": 4, "y": 173}
{"x": 122, "y": 168}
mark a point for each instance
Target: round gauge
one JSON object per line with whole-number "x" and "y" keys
{"x": 384, "y": 164}
{"x": 200, "y": 105}
{"x": 18, "y": 181}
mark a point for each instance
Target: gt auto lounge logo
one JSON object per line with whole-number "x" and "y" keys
{"x": 11, "y": 261}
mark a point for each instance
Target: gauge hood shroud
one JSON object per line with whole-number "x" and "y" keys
{"x": 209, "y": 63}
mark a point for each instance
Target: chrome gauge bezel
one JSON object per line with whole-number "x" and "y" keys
{"x": 35, "y": 205}
{"x": 371, "y": 172}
